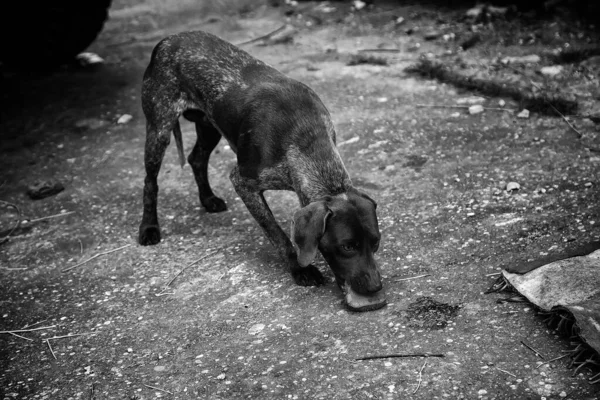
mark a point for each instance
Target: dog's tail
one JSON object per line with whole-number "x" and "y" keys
{"x": 179, "y": 143}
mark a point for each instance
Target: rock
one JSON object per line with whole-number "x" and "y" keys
{"x": 256, "y": 329}
{"x": 87, "y": 58}
{"x": 512, "y": 186}
{"x": 552, "y": 70}
{"x": 471, "y": 100}
{"x": 529, "y": 59}
{"x": 501, "y": 103}
{"x": 358, "y": 5}
{"x": 476, "y": 109}
{"x": 431, "y": 35}
{"x": 41, "y": 190}
{"x": 523, "y": 114}
{"x": 125, "y": 118}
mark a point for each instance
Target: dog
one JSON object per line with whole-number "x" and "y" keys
{"x": 284, "y": 139}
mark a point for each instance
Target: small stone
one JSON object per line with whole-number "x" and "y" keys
{"x": 125, "y": 118}
{"x": 476, "y": 109}
{"x": 512, "y": 186}
{"x": 530, "y": 59}
{"x": 41, "y": 190}
{"x": 501, "y": 103}
{"x": 523, "y": 114}
{"x": 471, "y": 100}
{"x": 431, "y": 35}
{"x": 221, "y": 377}
{"x": 455, "y": 115}
{"x": 551, "y": 71}
{"x": 256, "y": 329}
{"x": 358, "y": 5}
{"x": 87, "y": 58}
{"x": 382, "y": 99}
{"x": 160, "y": 368}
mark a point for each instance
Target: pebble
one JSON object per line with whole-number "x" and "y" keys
{"x": 160, "y": 368}
{"x": 523, "y": 114}
{"x": 476, "y": 109}
{"x": 256, "y": 329}
{"x": 471, "y": 100}
{"x": 510, "y": 186}
{"x": 551, "y": 70}
{"x": 125, "y": 118}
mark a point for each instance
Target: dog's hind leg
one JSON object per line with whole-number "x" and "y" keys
{"x": 158, "y": 136}
{"x": 207, "y": 139}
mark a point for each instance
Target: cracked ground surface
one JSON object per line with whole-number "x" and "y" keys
{"x": 233, "y": 325}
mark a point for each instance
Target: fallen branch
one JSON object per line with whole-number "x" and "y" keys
{"x": 411, "y": 278}
{"x": 157, "y": 388}
{"x": 380, "y": 50}
{"x": 186, "y": 267}
{"x": 506, "y": 372}
{"x": 537, "y": 353}
{"x": 263, "y": 37}
{"x": 420, "y": 377}
{"x": 30, "y": 221}
{"x": 399, "y": 356}
{"x": 29, "y": 330}
{"x": 50, "y": 347}
{"x": 16, "y": 225}
{"x": 530, "y": 101}
{"x": 95, "y": 256}
{"x": 554, "y": 359}
{"x": 463, "y": 107}
{"x": 19, "y": 336}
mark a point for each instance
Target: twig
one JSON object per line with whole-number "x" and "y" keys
{"x": 554, "y": 359}
{"x": 16, "y": 225}
{"x": 380, "y": 50}
{"x": 68, "y": 336}
{"x": 34, "y": 324}
{"x": 463, "y": 107}
{"x": 19, "y": 336}
{"x": 29, "y": 221}
{"x": 537, "y": 353}
{"x": 13, "y": 269}
{"x": 186, "y": 267}
{"x": 494, "y": 274}
{"x": 579, "y": 135}
{"x": 154, "y": 387}
{"x": 50, "y": 347}
{"x": 80, "y": 246}
{"x": 411, "y": 278}
{"x": 263, "y": 37}
{"x": 420, "y": 377}
{"x": 506, "y": 372}
{"x": 29, "y": 330}
{"x": 95, "y": 256}
{"x": 398, "y": 356}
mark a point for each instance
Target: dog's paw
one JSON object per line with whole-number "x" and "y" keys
{"x": 149, "y": 235}
{"x": 308, "y": 276}
{"x": 214, "y": 204}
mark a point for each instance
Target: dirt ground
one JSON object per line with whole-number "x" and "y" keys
{"x": 233, "y": 325}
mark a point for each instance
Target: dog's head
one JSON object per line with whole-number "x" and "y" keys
{"x": 345, "y": 229}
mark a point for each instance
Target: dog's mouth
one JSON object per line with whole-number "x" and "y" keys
{"x": 361, "y": 302}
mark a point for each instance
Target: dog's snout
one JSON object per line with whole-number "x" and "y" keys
{"x": 367, "y": 282}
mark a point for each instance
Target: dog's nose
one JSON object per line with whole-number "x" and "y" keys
{"x": 367, "y": 282}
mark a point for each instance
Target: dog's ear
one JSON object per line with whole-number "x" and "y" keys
{"x": 365, "y": 196}
{"x": 308, "y": 227}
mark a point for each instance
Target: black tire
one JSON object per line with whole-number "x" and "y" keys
{"x": 45, "y": 34}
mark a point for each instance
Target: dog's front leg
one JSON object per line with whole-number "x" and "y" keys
{"x": 255, "y": 202}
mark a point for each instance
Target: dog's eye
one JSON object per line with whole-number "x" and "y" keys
{"x": 348, "y": 248}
